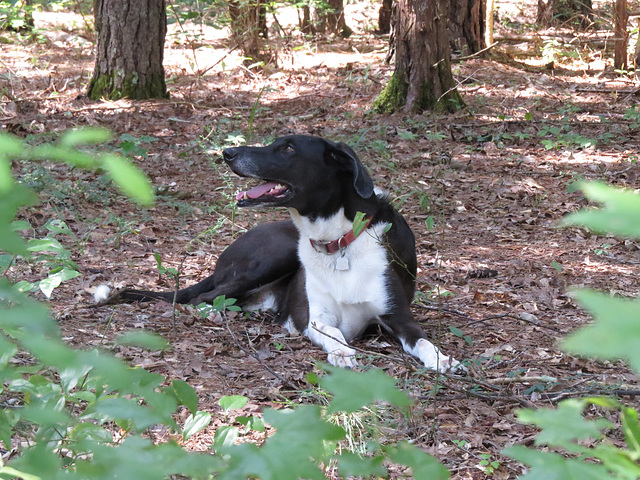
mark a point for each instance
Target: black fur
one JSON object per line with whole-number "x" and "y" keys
{"x": 321, "y": 177}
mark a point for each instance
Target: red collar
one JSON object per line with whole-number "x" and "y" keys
{"x": 339, "y": 244}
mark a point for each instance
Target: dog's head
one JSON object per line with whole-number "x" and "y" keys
{"x": 307, "y": 173}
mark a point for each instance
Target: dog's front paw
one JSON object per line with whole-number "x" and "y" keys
{"x": 451, "y": 365}
{"x": 344, "y": 357}
{"x": 434, "y": 359}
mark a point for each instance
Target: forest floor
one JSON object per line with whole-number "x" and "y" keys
{"x": 483, "y": 190}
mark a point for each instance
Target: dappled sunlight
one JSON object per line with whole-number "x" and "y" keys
{"x": 483, "y": 189}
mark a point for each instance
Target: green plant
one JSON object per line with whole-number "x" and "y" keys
{"x": 562, "y": 137}
{"x": 633, "y": 115}
{"x": 254, "y": 111}
{"x": 220, "y": 304}
{"x": 577, "y": 431}
{"x": 49, "y": 251}
{"x": 488, "y": 465}
{"x": 134, "y": 147}
{"x": 460, "y": 334}
{"x": 16, "y": 16}
{"x": 435, "y": 136}
{"x": 602, "y": 250}
{"x": 66, "y": 403}
{"x": 51, "y": 255}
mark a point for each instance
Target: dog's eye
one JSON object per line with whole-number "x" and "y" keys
{"x": 288, "y": 148}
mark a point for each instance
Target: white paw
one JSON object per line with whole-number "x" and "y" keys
{"x": 433, "y": 359}
{"x": 343, "y": 357}
{"x": 451, "y": 365}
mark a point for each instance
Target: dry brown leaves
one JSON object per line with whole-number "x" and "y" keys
{"x": 495, "y": 265}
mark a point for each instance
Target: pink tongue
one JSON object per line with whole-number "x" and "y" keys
{"x": 256, "y": 192}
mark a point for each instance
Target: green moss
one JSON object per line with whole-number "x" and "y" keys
{"x": 107, "y": 86}
{"x": 393, "y": 97}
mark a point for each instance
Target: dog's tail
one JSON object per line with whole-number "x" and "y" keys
{"x": 185, "y": 295}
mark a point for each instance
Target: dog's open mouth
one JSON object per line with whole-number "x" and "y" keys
{"x": 265, "y": 193}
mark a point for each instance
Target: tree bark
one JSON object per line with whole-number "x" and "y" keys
{"x": 622, "y": 36}
{"x": 249, "y": 27}
{"x": 384, "y": 16}
{"x": 552, "y": 12}
{"x": 331, "y": 19}
{"x": 467, "y": 25}
{"x": 129, "y": 50}
{"x": 422, "y": 78}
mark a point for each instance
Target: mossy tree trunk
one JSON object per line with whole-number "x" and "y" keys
{"x": 422, "y": 79}
{"x": 129, "y": 49}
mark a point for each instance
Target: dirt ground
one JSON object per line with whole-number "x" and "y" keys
{"x": 483, "y": 190}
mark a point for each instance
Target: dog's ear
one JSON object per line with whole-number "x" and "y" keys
{"x": 347, "y": 160}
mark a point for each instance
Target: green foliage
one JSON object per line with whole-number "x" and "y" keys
{"x": 633, "y": 116}
{"x": 620, "y": 215}
{"x": 489, "y": 466}
{"x": 359, "y": 223}
{"x": 560, "y": 137}
{"x": 460, "y": 334}
{"x": 66, "y": 403}
{"x": 354, "y": 390}
{"x": 48, "y": 251}
{"x": 616, "y": 332}
{"x": 71, "y": 397}
{"x": 16, "y": 16}
{"x": 132, "y": 146}
{"x": 613, "y": 335}
{"x": 219, "y": 305}
{"x": 232, "y": 402}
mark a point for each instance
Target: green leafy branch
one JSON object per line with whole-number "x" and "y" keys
{"x": 586, "y": 451}
{"x": 66, "y": 402}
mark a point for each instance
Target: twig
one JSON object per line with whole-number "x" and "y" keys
{"x": 202, "y": 72}
{"x": 510, "y": 380}
{"x": 191, "y": 43}
{"x": 484, "y": 396}
{"x": 555, "y": 397}
{"x": 361, "y": 350}
{"x": 479, "y": 52}
{"x": 444, "y": 310}
{"x": 257, "y": 357}
{"x": 6, "y": 271}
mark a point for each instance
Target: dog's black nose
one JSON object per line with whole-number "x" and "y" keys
{"x": 229, "y": 154}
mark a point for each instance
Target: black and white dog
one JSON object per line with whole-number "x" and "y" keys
{"x": 323, "y": 276}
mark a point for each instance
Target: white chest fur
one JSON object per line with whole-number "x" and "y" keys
{"x": 347, "y": 299}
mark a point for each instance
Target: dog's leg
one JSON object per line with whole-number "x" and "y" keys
{"x": 332, "y": 341}
{"x": 413, "y": 339}
{"x": 431, "y": 356}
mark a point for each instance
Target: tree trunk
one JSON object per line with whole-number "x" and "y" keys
{"x": 551, "y": 12}
{"x": 384, "y": 16}
{"x": 467, "y": 25}
{"x": 306, "y": 24}
{"x": 622, "y": 36}
{"x": 335, "y": 19}
{"x": 249, "y": 27}
{"x": 331, "y": 19}
{"x": 129, "y": 49}
{"x": 422, "y": 79}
